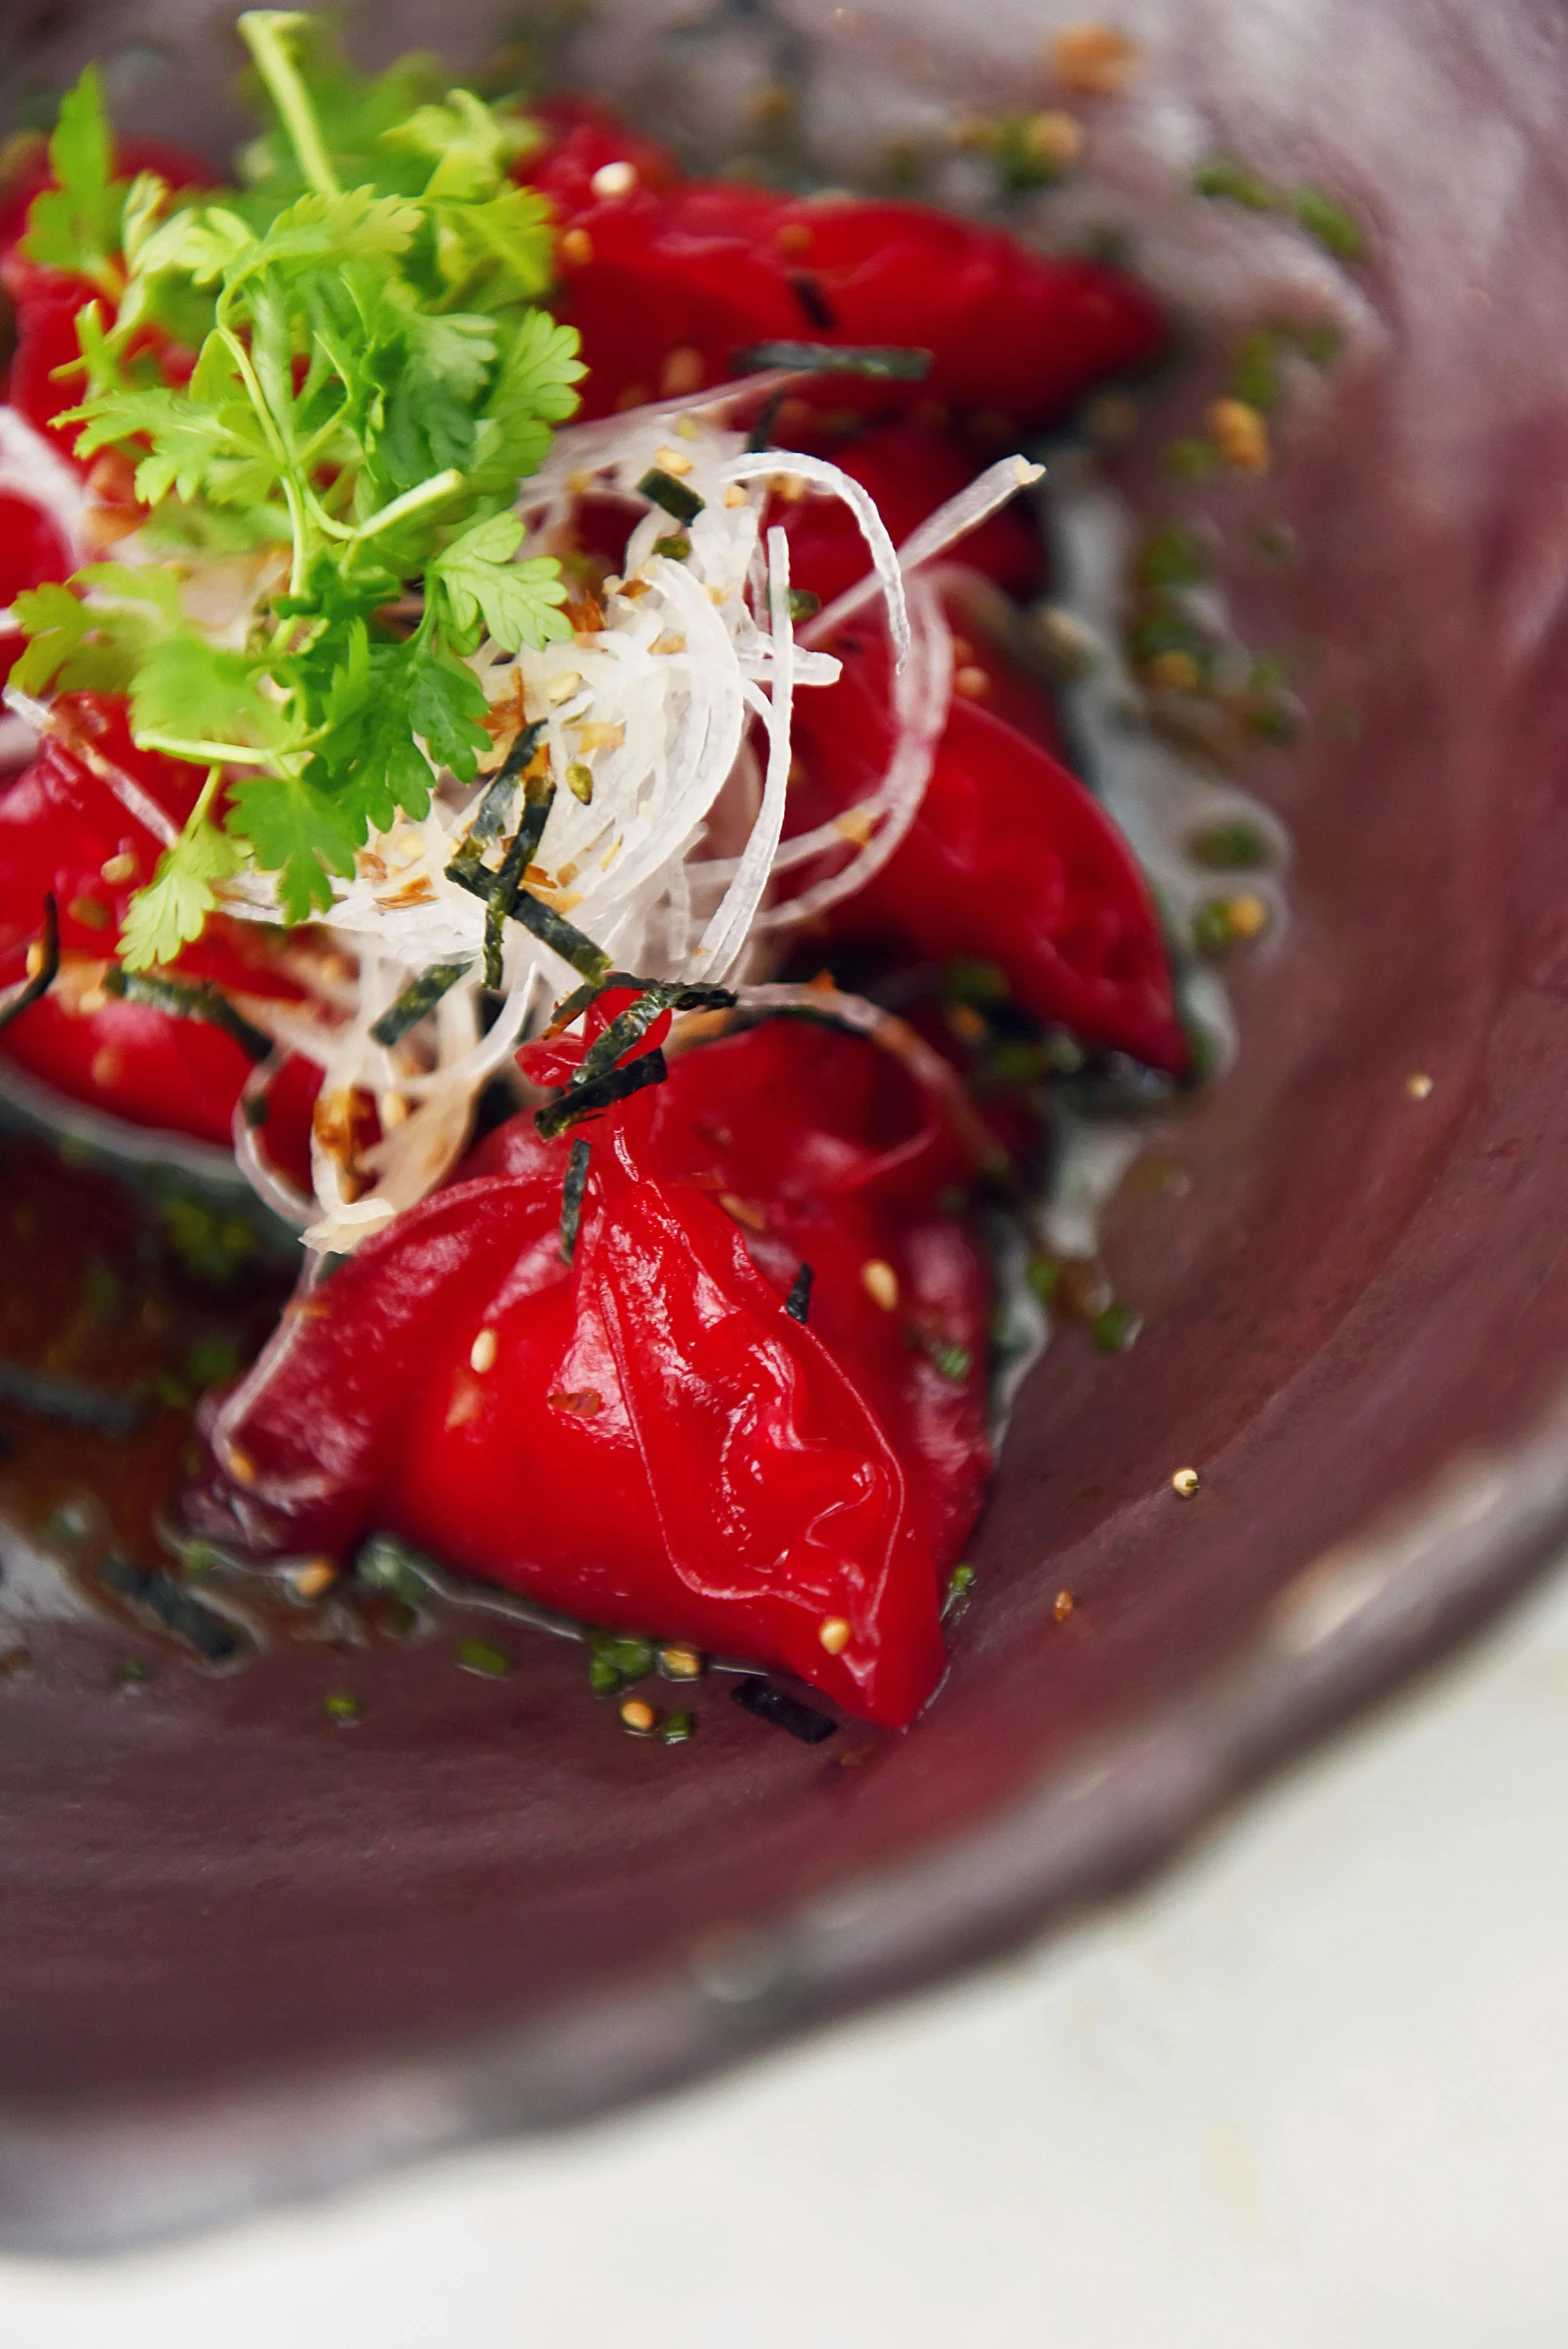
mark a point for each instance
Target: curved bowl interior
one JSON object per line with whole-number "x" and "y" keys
{"x": 487, "y": 1907}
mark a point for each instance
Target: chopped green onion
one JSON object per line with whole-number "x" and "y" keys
{"x": 1116, "y": 1329}
{"x": 343, "y": 1709}
{"x": 477, "y": 1655}
{"x": 678, "y": 1727}
{"x": 1231, "y": 847}
{"x": 675, "y": 546}
{"x": 579, "y": 781}
{"x": 662, "y": 489}
{"x": 1223, "y": 176}
{"x": 1335, "y": 229}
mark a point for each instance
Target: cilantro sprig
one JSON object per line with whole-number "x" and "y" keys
{"x": 371, "y": 380}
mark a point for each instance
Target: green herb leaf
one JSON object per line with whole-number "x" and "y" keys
{"x": 170, "y": 911}
{"x": 518, "y": 600}
{"x": 297, "y": 832}
{"x": 75, "y": 225}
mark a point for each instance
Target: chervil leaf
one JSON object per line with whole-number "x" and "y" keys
{"x": 171, "y": 910}
{"x": 76, "y": 649}
{"x": 196, "y": 692}
{"x": 518, "y": 600}
{"x": 199, "y": 446}
{"x": 446, "y": 704}
{"x": 297, "y": 832}
{"x": 534, "y": 388}
{"x": 504, "y": 245}
{"x": 76, "y": 224}
{"x": 369, "y": 759}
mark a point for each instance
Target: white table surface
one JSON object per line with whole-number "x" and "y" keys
{"x": 1309, "y": 2093}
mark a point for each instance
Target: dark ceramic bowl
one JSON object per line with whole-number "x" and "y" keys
{"x": 246, "y": 1957}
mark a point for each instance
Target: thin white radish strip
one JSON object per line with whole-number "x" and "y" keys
{"x": 922, "y": 699}
{"x": 765, "y": 464}
{"x": 725, "y": 937}
{"x": 995, "y": 488}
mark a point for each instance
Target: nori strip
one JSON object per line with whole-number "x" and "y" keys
{"x": 671, "y": 994}
{"x": 681, "y": 503}
{"x": 760, "y": 436}
{"x": 772, "y": 1705}
{"x": 627, "y": 1028}
{"x": 215, "y": 1638}
{"x": 572, "y": 1196}
{"x": 798, "y": 1303}
{"x": 819, "y": 311}
{"x": 490, "y": 822}
{"x": 555, "y": 931}
{"x": 587, "y": 1100}
{"x": 896, "y": 361}
{"x": 509, "y": 879}
{"x": 102, "y": 1410}
{"x": 185, "y": 1002}
{"x": 19, "y": 998}
{"x": 419, "y": 997}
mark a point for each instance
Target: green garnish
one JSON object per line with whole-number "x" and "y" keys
{"x": 662, "y": 489}
{"x": 343, "y": 1709}
{"x": 27, "y": 991}
{"x": 183, "y": 1000}
{"x": 1232, "y": 846}
{"x": 618, "y": 1085}
{"x": 372, "y": 380}
{"x": 1335, "y": 228}
{"x": 893, "y": 362}
{"x": 617, "y": 1657}
{"x": 804, "y": 604}
{"x": 1116, "y": 1329}
{"x": 418, "y": 999}
{"x": 676, "y": 546}
{"x": 477, "y": 1655}
{"x": 572, "y": 1190}
{"x": 678, "y": 1727}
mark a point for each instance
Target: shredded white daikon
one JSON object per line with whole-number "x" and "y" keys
{"x": 659, "y": 846}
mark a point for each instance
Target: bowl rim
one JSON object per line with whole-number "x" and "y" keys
{"x": 1361, "y": 1619}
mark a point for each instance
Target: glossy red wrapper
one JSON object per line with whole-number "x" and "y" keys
{"x": 1009, "y": 860}
{"x": 668, "y": 279}
{"x": 649, "y": 1439}
{"x": 61, "y": 822}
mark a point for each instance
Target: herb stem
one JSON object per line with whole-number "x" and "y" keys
{"x": 265, "y": 32}
{"x": 412, "y": 501}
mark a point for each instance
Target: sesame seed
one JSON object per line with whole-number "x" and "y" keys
{"x": 1055, "y": 137}
{"x": 577, "y": 247}
{"x": 735, "y": 495}
{"x": 1248, "y": 915}
{"x": 674, "y": 461}
{"x": 482, "y": 1353}
{"x": 677, "y": 1662}
{"x": 682, "y": 371}
{"x": 563, "y": 686}
{"x": 1240, "y": 433}
{"x": 1418, "y": 1085}
{"x": 1062, "y": 1606}
{"x": 106, "y": 1068}
{"x": 971, "y": 681}
{"x": 1185, "y": 1482}
{"x": 880, "y": 1283}
{"x": 793, "y": 239}
{"x": 314, "y": 1577}
{"x": 614, "y": 179}
{"x": 1178, "y": 670}
{"x": 241, "y": 1466}
{"x": 1094, "y": 58}
{"x": 834, "y": 1633}
{"x": 116, "y": 869}
{"x": 638, "y": 1717}
{"x": 745, "y": 1212}
{"x": 35, "y": 958}
{"x": 854, "y": 824}
{"x": 669, "y": 642}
